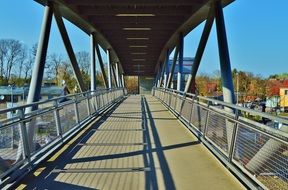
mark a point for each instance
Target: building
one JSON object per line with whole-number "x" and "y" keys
{"x": 283, "y": 98}
{"x": 17, "y": 94}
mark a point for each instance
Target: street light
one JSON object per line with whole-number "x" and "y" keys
{"x": 11, "y": 97}
{"x": 237, "y": 88}
{"x": 11, "y": 115}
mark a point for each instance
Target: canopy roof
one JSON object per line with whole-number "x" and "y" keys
{"x": 138, "y": 32}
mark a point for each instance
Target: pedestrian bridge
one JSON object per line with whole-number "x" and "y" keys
{"x": 136, "y": 145}
{"x": 105, "y": 140}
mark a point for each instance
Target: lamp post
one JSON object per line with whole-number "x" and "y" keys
{"x": 11, "y": 115}
{"x": 11, "y": 95}
{"x": 237, "y": 88}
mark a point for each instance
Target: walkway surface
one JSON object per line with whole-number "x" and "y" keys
{"x": 138, "y": 145}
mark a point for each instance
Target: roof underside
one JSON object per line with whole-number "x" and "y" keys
{"x": 139, "y": 32}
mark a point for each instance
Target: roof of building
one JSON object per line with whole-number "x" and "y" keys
{"x": 45, "y": 90}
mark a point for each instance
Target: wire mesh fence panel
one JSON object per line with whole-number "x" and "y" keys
{"x": 156, "y": 92}
{"x": 165, "y": 97}
{"x": 173, "y": 101}
{"x": 82, "y": 110}
{"x": 67, "y": 117}
{"x": 46, "y": 105}
{"x": 263, "y": 156}
{"x": 99, "y": 101}
{"x": 186, "y": 110}
{"x": 161, "y": 95}
{"x": 198, "y": 117}
{"x": 93, "y": 104}
{"x": 110, "y": 96}
{"x": 45, "y": 130}
{"x": 169, "y": 99}
{"x": 105, "y": 99}
{"x": 178, "y": 104}
{"x": 219, "y": 130}
{"x": 11, "y": 147}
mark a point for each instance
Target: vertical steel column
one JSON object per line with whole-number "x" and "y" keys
{"x": 226, "y": 74}
{"x": 57, "y": 119}
{"x": 114, "y": 75}
{"x": 117, "y": 74}
{"x": 69, "y": 49}
{"x": 157, "y": 78}
{"x": 109, "y": 68}
{"x": 93, "y": 62}
{"x": 166, "y": 69}
{"x": 180, "y": 63}
{"x": 24, "y": 137}
{"x": 161, "y": 75}
{"x": 38, "y": 69}
{"x": 190, "y": 85}
{"x": 123, "y": 82}
{"x": 171, "y": 74}
{"x": 101, "y": 66}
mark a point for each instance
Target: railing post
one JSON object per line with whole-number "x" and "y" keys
{"x": 88, "y": 103}
{"x": 233, "y": 138}
{"x": 192, "y": 109}
{"x": 182, "y": 103}
{"x": 24, "y": 136}
{"x": 76, "y": 110}
{"x": 206, "y": 121}
{"x": 57, "y": 119}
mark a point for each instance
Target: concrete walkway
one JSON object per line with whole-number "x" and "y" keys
{"x": 139, "y": 145}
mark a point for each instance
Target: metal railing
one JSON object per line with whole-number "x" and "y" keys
{"x": 254, "y": 149}
{"x": 28, "y": 132}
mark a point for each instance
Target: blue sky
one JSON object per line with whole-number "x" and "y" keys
{"x": 257, "y": 34}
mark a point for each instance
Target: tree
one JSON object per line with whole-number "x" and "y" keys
{"x": 54, "y": 64}
{"x": 83, "y": 60}
{"x": 27, "y": 67}
{"x": 12, "y": 53}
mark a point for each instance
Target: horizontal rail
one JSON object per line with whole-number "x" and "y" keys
{"x": 49, "y": 124}
{"x": 252, "y": 149}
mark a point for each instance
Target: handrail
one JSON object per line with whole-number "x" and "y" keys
{"x": 56, "y": 99}
{"x": 255, "y": 112}
{"x": 253, "y": 151}
{"x": 50, "y": 125}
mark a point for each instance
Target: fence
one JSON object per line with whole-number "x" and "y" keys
{"x": 254, "y": 149}
{"x": 28, "y": 132}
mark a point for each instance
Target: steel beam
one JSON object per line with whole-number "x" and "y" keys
{"x": 117, "y": 74}
{"x": 161, "y": 74}
{"x": 38, "y": 69}
{"x": 225, "y": 67}
{"x": 109, "y": 65}
{"x": 113, "y": 67}
{"x": 69, "y": 48}
{"x": 123, "y": 81}
{"x": 101, "y": 66}
{"x": 93, "y": 62}
{"x": 180, "y": 64}
{"x": 190, "y": 85}
{"x": 166, "y": 69}
{"x": 226, "y": 74}
{"x": 171, "y": 74}
{"x": 40, "y": 59}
